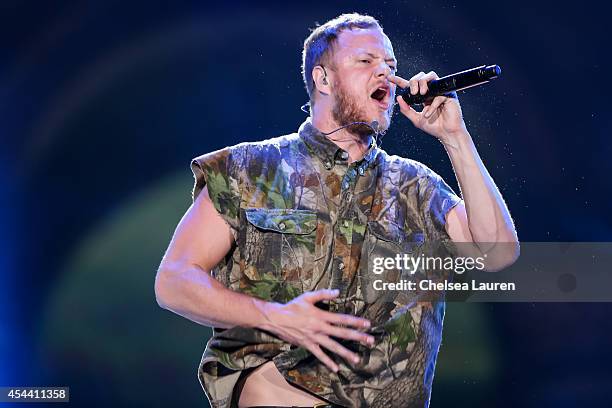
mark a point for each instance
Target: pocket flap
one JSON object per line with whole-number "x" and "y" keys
{"x": 286, "y": 221}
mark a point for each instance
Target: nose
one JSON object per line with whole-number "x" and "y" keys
{"x": 383, "y": 70}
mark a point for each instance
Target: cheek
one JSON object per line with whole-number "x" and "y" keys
{"x": 354, "y": 90}
{"x": 357, "y": 84}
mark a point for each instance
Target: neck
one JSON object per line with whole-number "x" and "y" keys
{"x": 355, "y": 145}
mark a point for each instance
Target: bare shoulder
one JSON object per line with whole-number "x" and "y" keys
{"x": 202, "y": 237}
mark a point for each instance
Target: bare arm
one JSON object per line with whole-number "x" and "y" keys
{"x": 484, "y": 219}
{"x": 184, "y": 285}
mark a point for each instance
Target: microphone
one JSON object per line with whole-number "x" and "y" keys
{"x": 372, "y": 125}
{"x": 452, "y": 83}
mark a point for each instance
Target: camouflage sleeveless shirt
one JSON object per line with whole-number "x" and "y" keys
{"x": 304, "y": 219}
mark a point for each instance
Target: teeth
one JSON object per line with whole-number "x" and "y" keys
{"x": 379, "y": 94}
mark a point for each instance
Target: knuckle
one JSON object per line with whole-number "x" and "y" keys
{"x": 327, "y": 316}
{"x": 307, "y": 295}
{"x": 328, "y": 329}
{"x": 334, "y": 347}
{"x": 355, "y": 335}
{"x": 348, "y": 319}
{"x": 343, "y": 351}
{"x": 348, "y": 334}
{"x": 314, "y": 323}
{"x": 318, "y": 314}
{"x": 341, "y": 333}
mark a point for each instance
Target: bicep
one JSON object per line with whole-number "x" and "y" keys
{"x": 202, "y": 237}
{"x": 457, "y": 224}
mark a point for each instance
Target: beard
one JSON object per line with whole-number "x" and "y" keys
{"x": 346, "y": 110}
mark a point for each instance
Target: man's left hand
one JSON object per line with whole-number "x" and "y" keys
{"x": 441, "y": 116}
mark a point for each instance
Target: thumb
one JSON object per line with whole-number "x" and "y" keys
{"x": 408, "y": 111}
{"x": 319, "y": 295}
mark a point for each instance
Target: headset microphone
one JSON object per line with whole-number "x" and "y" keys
{"x": 372, "y": 125}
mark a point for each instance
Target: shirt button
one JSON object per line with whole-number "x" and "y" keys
{"x": 344, "y": 155}
{"x": 345, "y": 223}
{"x": 341, "y": 266}
{"x": 282, "y": 226}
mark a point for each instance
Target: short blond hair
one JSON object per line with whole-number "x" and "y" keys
{"x": 318, "y": 47}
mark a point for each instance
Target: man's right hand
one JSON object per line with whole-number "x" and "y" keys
{"x": 301, "y": 323}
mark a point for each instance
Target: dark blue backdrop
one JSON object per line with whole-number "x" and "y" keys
{"x": 103, "y": 104}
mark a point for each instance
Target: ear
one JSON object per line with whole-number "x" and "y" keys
{"x": 321, "y": 81}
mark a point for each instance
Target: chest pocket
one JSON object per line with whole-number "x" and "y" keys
{"x": 389, "y": 239}
{"x": 384, "y": 241}
{"x": 278, "y": 252}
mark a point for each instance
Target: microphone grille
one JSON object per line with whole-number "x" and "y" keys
{"x": 375, "y": 126}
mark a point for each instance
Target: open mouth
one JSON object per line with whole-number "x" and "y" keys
{"x": 381, "y": 97}
{"x": 379, "y": 94}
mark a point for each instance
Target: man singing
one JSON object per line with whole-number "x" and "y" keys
{"x": 274, "y": 251}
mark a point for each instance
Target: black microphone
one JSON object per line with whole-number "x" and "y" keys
{"x": 452, "y": 83}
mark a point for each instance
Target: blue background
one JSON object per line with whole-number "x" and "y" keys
{"x": 103, "y": 104}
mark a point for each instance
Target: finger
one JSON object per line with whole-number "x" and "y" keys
{"x": 338, "y": 349}
{"x": 399, "y": 81}
{"x": 349, "y": 334}
{"x": 408, "y": 111}
{"x": 319, "y": 295}
{"x": 414, "y": 83}
{"x": 423, "y": 85}
{"x": 417, "y": 76}
{"x": 324, "y": 358}
{"x": 435, "y": 104}
{"x": 346, "y": 320}
{"x": 414, "y": 86}
{"x": 424, "y": 81}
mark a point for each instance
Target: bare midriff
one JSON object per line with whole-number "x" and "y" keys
{"x": 267, "y": 386}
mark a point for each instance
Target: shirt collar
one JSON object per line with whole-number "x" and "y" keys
{"x": 328, "y": 152}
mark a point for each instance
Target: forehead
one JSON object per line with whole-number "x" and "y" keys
{"x": 357, "y": 40}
